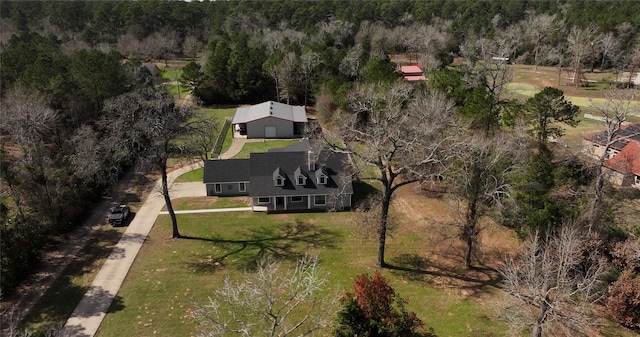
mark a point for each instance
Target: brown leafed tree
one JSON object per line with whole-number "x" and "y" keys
{"x": 551, "y": 284}
{"x": 623, "y": 300}
{"x": 375, "y": 309}
{"x": 396, "y": 136}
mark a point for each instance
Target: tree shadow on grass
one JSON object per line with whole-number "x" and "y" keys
{"x": 418, "y": 268}
{"x": 57, "y": 304}
{"x": 287, "y": 241}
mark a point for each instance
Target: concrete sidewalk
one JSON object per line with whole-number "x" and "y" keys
{"x": 211, "y": 210}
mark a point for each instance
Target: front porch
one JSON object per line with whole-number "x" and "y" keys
{"x": 281, "y": 204}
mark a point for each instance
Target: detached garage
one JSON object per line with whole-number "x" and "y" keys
{"x": 270, "y": 120}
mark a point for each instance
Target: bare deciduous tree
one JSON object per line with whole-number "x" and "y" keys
{"x": 352, "y": 63}
{"x": 308, "y": 62}
{"x": 581, "y": 42}
{"x": 27, "y": 117}
{"x": 540, "y": 29}
{"x": 488, "y": 68}
{"x": 609, "y": 47}
{"x": 615, "y": 110}
{"x": 90, "y": 158}
{"x": 160, "y": 45}
{"x": 272, "y": 301}
{"x": 191, "y": 46}
{"x": 339, "y": 30}
{"x": 551, "y": 284}
{"x": 203, "y": 135}
{"x": 399, "y": 133}
{"x": 480, "y": 181}
{"x": 145, "y": 122}
{"x": 129, "y": 46}
{"x": 287, "y": 73}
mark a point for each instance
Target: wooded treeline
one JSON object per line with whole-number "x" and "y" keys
{"x": 66, "y": 66}
{"x": 257, "y": 50}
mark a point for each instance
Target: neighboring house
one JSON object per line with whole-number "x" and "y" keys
{"x": 412, "y": 73}
{"x": 288, "y": 179}
{"x": 270, "y": 120}
{"x": 623, "y": 156}
{"x": 152, "y": 68}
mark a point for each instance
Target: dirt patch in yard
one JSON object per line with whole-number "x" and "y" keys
{"x": 441, "y": 259}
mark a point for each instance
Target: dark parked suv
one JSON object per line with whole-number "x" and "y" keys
{"x": 119, "y": 215}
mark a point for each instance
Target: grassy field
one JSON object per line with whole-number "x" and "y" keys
{"x": 528, "y": 80}
{"x": 169, "y": 275}
{"x": 248, "y": 148}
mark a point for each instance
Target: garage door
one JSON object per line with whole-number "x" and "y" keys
{"x": 269, "y": 132}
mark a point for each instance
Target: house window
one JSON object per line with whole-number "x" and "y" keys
{"x": 264, "y": 200}
{"x": 322, "y": 180}
{"x": 296, "y": 199}
{"x": 301, "y": 180}
{"x": 637, "y": 180}
{"x": 217, "y": 188}
{"x": 279, "y": 181}
{"x": 242, "y": 187}
{"x": 320, "y": 200}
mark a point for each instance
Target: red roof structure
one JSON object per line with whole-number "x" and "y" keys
{"x": 627, "y": 160}
{"x": 413, "y": 73}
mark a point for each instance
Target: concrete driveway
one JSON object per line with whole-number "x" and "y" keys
{"x": 88, "y": 315}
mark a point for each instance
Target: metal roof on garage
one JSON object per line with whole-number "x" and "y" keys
{"x": 270, "y": 109}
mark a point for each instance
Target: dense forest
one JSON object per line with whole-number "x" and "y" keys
{"x": 63, "y": 64}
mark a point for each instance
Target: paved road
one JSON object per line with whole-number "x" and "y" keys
{"x": 88, "y": 315}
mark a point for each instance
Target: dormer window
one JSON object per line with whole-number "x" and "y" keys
{"x": 301, "y": 179}
{"x": 321, "y": 176}
{"x": 278, "y": 177}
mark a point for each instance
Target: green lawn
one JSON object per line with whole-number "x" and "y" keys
{"x": 191, "y": 176}
{"x": 170, "y": 274}
{"x": 263, "y": 147}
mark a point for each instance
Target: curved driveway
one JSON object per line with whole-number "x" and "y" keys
{"x": 88, "y": 315}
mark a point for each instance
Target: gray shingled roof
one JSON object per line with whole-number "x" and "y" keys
{"x": 229, "y": 170}
{"x": 627, "y": 132}
{"x": 270, "y": 109}
{"x": 334, "y": 165}
{"x": 262, "y": 168}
